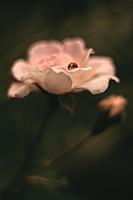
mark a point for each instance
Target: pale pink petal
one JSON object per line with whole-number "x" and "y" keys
{"x": 97, "y": 67}
{"x": 87, "y": 57}
{"x": 42, "y": 50}
{"x": 56, "y": 83}
{"x": 97, "y": 85}
{"x": 77, "y": 75}
{"x": 80, "y": 75}
{"x": 63, "y": 59}
{"x": 20, "y": 69}
{"x": 21, "y": 90}
{"x": 103, "y": 64}
{"x": 75, "y": 48}
{"x": 54, "y": 80}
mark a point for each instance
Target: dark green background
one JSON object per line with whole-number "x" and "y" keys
{"x": 103, "y": 167}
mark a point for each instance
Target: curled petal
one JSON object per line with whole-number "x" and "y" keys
{"x": 87, "y": 56}
{"x": 21, "y": 90}
{"x": 20, "y": 69}
{"x": 57, "y": 83}
{"x": 97, "y": 85}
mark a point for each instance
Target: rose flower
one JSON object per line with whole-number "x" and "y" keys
{"x": 60, "y": 68}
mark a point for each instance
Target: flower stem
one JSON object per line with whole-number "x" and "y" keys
{"x": 18, "y": 185}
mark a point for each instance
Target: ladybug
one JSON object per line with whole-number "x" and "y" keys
{"x": 72, "y": 66}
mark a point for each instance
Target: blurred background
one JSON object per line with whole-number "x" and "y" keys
{"x": 102, "y": 167}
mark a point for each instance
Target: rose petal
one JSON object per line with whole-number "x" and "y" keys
{"x": 21, "y": 90}
{"x": 75, "y": 48}
{"x": 87, "y": 57}
{"x": 97, "y": 85}
{"x": 103, "y": 64}
{"x": 80, "y": 75}
{"x": 41, "y": 50}
{"x": 77, "y": 75}
{"x": 97, "y": 66}
{"x": 56, "y": 83}
{"x": 20, "y": 69}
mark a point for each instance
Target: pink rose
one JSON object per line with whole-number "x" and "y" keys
{"x": 61, "y": 68}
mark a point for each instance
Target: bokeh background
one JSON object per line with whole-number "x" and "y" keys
{"x": 102, "y": 167}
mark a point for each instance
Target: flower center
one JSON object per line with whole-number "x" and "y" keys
{"x": 72, "y": 66}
